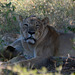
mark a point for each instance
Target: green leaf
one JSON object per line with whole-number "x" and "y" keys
{"x": 7, "y": 5}
{"x": 13, "y": 8}
{"x": 73, "y": 48}
{"x": 14, "y": 18}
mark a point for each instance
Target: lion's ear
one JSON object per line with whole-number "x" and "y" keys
{"x": 20, "y": 18}
{"x": 45, "y": 21}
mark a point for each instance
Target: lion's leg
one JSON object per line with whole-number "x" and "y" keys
{"x": 37, "y": 62}
{"x": 17, "y": 45}
{"x": 13, "y": 50}
{"x": 33, "y": 63}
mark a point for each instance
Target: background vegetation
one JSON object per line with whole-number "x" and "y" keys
{"x": 61, "y": 14}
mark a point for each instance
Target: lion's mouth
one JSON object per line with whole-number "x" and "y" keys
{"x": 30, "y": 40}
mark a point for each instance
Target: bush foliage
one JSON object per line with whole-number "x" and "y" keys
{"x": 60, "y": 12}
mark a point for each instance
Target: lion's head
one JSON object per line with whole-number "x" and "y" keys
{"x": 32, "y": 28}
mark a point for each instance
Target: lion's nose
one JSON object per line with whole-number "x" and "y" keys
{"x": 31, "y": 32}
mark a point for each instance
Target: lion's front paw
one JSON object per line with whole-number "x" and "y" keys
{"x": 10, "y": 52}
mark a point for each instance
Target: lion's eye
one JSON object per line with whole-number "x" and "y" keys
{"x": 26, "y": 25}
{"x": 37, "y": 26}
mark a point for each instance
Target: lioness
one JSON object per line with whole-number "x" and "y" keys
{"x": 40, "y": 41}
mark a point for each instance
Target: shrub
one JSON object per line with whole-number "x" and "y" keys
{"x": 60, "y": 12}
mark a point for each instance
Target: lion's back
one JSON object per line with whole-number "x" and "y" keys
{"x": 66, "y": 44}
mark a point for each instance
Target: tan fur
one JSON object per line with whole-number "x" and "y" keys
{"x": 48, "y": 42}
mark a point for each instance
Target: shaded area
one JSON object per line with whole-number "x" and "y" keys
{"x": 67, "y": 67}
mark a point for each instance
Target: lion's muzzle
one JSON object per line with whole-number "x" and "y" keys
{"x": 30, "y": 40}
